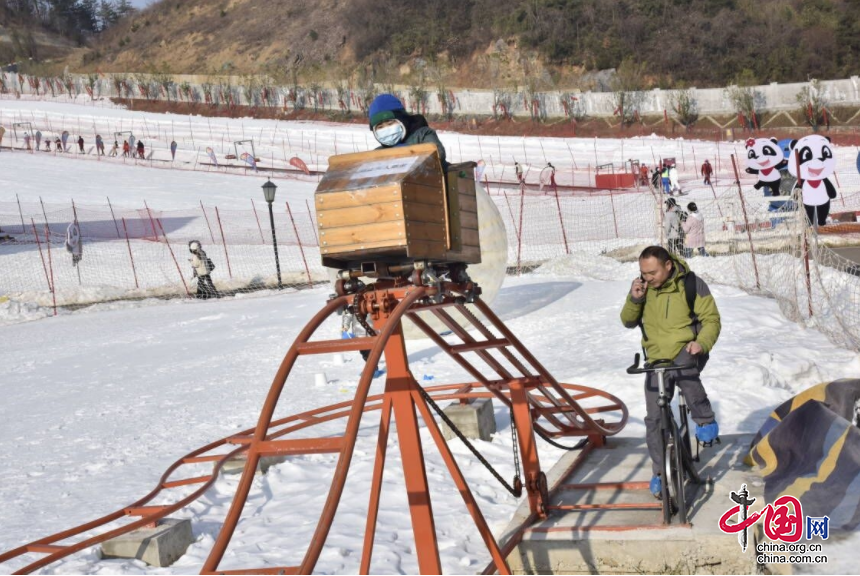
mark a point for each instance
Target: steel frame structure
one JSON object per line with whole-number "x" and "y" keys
{"x": 537, "y": 401}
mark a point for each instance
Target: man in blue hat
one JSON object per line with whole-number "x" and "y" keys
{"x": 393, "y": 126}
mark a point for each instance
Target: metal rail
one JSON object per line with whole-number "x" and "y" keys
{"x": 537, "y": 400}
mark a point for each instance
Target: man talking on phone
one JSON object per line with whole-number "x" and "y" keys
{"x": 679, "y": 321}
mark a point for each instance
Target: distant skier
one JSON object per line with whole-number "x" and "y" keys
{"x": 100, "y": 145}
{"x": 38, "y": 139}
{"x": 126, "y": 149}
{"x": 81, "y": 144}
{"x": 27, "y": 141}
{"x": 140, "y": 149}
{"x": 707, "y": 170}
{"x": 114, "y": 149}
{"x": 131, "y": 141}
{"x": 65, "y": 137}
{"x": 551, "y": 175}
{"x": 518, "y": 170}
{"x": 202, "y": 267}
{"x": 173, "y": 150}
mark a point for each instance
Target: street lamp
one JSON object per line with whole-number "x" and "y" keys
{"x": 269, "y": 194}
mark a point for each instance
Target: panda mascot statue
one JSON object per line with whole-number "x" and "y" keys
{"x": 765, "y": 158}
{"x": 814, "y": 156}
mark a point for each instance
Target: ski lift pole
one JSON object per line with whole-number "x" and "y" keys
{"x": 746, "y": 221}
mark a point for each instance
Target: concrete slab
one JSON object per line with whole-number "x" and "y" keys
{"x": 236, "y": 465}
{"x": 631, "y": 537}
{"x": 475, "y": 420}
{"x": 160, "y": 546}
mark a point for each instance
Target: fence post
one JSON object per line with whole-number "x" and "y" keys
{"x": 20, "y": 213}
{"x": 114, "y": 218}
{"x": 255, "y": 216}
{"x": 51, "y": 266}
{"x": 42, "y": 256}
{"x": 211, "y": 235}
{"x": 561, "y": 219}
{"x": 520, "y": 235}
{"x": 299, "y": 240}
{"x": 614, "y": 217}
{"x": 746, "y": 220}
{"x": 313, "y": 224}
{"x": 172, "y": 255}
{"x": 151, "y": 221}
{"x": 224, "y": 242}
{"x": 130, "y": 257}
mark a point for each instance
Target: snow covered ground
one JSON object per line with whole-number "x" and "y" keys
{"x": 98, "y": 402}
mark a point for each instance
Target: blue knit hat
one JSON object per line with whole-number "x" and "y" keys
{"x": 382, "y": 108}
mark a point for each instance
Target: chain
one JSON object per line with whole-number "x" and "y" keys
{"x": 514, "y": 446}
{"x": 515, "y": 491}
{"x": 362, "y": 318}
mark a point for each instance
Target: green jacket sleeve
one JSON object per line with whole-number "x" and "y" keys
{"x": 709, "y": 317}
{"x": 631, "y": 313}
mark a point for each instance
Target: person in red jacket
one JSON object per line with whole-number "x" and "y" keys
{"x": 125, "y": 149}
{"x": 707, "y": 170}
{"x": 140, "y": 148}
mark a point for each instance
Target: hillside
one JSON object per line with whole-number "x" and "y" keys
{"x": 484, "y": 43}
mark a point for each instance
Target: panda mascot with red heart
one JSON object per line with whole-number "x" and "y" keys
{"x": 813, "y": 156}
{"x": 765, "y": 158}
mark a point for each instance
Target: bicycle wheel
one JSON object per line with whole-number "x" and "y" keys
{"x": 673, "y": 475}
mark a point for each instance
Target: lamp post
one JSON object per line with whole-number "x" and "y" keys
{"x": 269, "y": 193}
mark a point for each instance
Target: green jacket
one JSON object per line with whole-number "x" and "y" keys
{"x": 666, "y": 317}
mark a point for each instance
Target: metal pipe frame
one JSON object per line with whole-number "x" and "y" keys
{"x": 536, "y": 399}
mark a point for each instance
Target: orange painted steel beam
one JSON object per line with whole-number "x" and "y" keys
{"x": 376, "y": 487}
{"x": 387, "y": 303}
{"x": 333, "y": 346}
{"x": 186, "y": 481}
{"x": 301, "y": 446}
{"x": 144, "y": 510}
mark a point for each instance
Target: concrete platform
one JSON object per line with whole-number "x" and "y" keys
{"x": 235, "y": 466}
{"x": 631, "y": 538}
{"x": 160, "y": 546}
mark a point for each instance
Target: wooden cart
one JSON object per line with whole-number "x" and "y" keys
{"x": 395, "y": 206}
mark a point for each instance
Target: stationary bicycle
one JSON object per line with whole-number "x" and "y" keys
{"x": 678, "y": 458}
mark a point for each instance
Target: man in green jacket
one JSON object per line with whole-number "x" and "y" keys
{"x": 658, "y": 303}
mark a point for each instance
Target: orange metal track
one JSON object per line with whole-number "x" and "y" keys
{"x": 536, "y": 399}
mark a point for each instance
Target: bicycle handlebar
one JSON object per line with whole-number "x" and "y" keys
{"x": 656, "y": 366}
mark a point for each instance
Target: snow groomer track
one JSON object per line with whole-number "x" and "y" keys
{"x": 538, "y": 403}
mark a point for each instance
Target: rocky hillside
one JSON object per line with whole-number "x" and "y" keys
{"x": 541, "y": 44}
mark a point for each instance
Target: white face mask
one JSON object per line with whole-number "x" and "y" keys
{"x": 390, "y": 134}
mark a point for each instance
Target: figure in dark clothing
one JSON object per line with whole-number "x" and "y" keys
{"x": 81, "y": 144}
{"x": 393, "y": 126}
